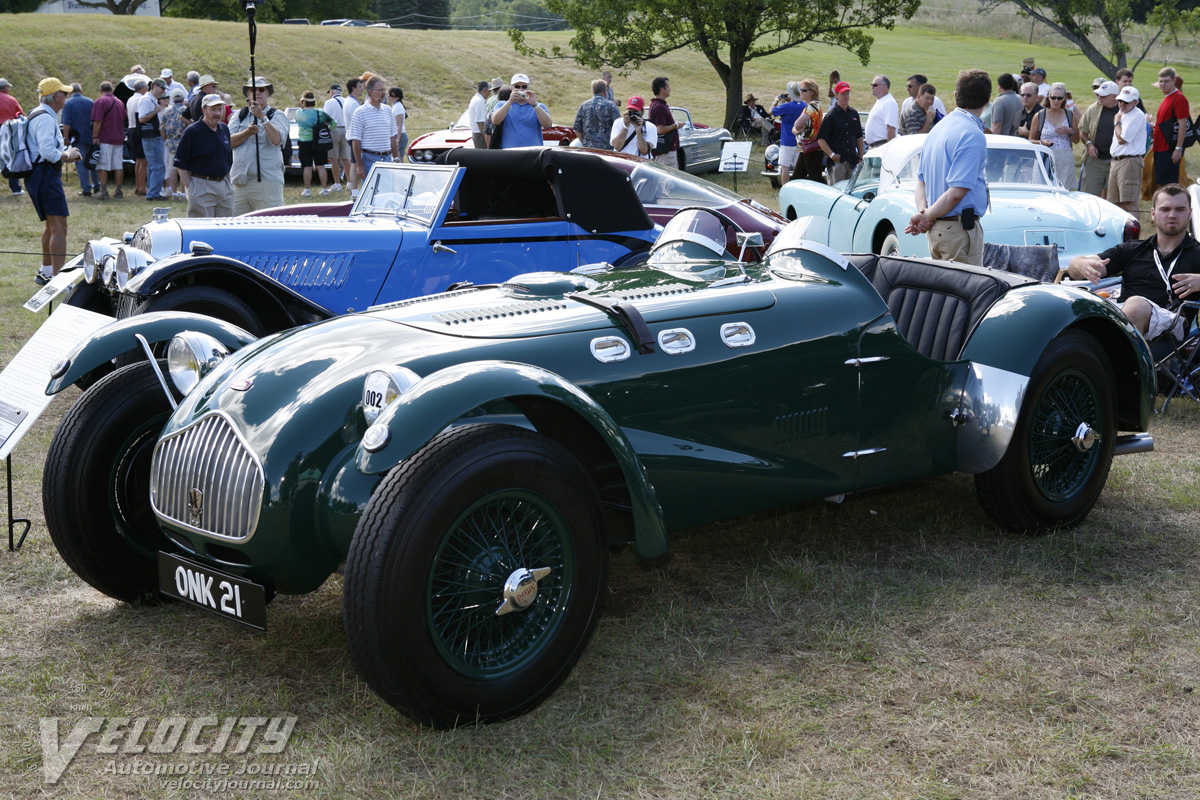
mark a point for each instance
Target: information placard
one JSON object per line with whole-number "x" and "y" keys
{"x": 23, "y": 382}
{"x": 735, "y": 157}
{"x": 57, "y": 285}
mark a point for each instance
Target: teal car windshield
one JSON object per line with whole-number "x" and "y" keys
{"x": 658, "y": 186}
{"x": 413, "y": 192}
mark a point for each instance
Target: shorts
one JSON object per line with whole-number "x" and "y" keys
{"x": 341, "y": 147}
{"x": 135, "y": 146}
{"x": 1161, "y": 320}
{"x": 111, "y": 156}
{"x": 1125, "y": 180}
{"x": 45, "y": 189}
{"x": 310, "y": 157}
{"x": 787, "y": 156}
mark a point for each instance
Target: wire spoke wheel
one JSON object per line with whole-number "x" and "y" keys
{"x": 1061, "y": 459}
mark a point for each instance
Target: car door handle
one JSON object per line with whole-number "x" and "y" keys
{"x": 438, "y": 247}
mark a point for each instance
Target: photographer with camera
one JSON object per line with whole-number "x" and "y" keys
{"x": 522, "y": 116}
{"x": 630, "y": 134}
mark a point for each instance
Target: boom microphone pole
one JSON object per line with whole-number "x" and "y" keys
{"x": 250, "y": 6}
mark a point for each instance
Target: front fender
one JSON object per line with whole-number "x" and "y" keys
{"x": 439, "y": 399}
{"x": 117, "y": 338}
{"x": 1021, "y": 324}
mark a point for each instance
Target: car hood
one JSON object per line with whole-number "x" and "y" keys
{"x": 1024, "y": 209}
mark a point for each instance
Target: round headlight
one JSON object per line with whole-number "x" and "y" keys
{"x": 122, "y": 269}
{"x": 143, "y": 240}
{"x": 191, "y": 356}
{"x": 427, "y": 155}
{"x": 89, "y": 263}
{"x": 772, "y": 153}
{"x": 382, "y": 386}
{"x": 108, "y": 270}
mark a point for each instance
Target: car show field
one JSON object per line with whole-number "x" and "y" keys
{"x": 896, "y": 642}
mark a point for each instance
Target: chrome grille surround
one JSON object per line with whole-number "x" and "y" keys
{"x": 204, "y": 478}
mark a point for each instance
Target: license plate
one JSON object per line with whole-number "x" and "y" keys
{"x": 224, "y": 595}
{"x": 1054, "y": 237}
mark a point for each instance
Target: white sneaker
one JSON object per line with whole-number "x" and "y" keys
{"x": 354, "y": 194}
{"x": 337, "y": 187}
{"x": 323, "y": 192}
{"x": 306, "y": 193}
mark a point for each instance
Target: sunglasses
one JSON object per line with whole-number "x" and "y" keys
{"x": 1028, "y": 94}
{"x": 1057, "y": 98}
{"x": 873, "y": 85}
{"x": 520, "y": 85}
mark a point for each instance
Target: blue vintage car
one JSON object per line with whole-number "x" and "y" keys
{"x": 868, "y": 212}
{"x": 414, "y": 230}
{"x": 467, "y": 459}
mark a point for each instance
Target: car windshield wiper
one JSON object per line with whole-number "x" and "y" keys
{"x": 629, "y": 317}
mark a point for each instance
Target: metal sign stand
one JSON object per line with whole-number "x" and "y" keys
{"x": 12, "y": 522}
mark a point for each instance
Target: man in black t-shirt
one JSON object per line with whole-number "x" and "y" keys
{"x": 840, "y": 137}
{"x": 1158, "y": 272}
{"x": 1096, "y": 133}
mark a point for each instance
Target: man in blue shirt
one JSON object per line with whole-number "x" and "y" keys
{"x": 522, "y": 116}
{"x": 788, "y": 107}
{"x": 951, "y": 192}
{"x": 204, "y": 158}
{"x": 44, "y": 184}
{"x": 77, "y": 130}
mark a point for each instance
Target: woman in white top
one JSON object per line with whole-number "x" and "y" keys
{"x": 1057, "y": 128}
{"x": 396, "y": 96}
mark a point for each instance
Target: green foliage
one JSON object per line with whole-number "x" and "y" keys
{"x": 728, "y": 32}
{"x": 272, "y": 11}
{"x": 19, "y": 6}
{"x": 524, "y": 15}
{"x": 1098, "y": 27}
{"x": 119, "y": 7}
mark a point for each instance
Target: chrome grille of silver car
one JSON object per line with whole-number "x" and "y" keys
{"x": 206, "y": 479}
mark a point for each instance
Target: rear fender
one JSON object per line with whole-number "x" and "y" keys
{"x": 413, "y": 419}
{"x": 117, "y": 338}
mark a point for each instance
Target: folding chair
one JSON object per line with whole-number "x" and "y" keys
{"x": 1177, "y": 361}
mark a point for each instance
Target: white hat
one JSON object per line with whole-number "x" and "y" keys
{"x": 520, "y": 77}
{"x": 1129, "y": 95}
{"x": 212, "y": 100}
{"x": 1107, "y": 89}
{"x": 166, "y": 73}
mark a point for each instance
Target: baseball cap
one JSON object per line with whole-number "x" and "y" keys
{"x": 1129, "y": 95}
{"x": 1098, "y": 82}
{"x": 166, "y": 73}
{"x": 520, "y": 77}
{"x": 335, "y": 88}
{"x": 842, "y": 86}
{"x": 636, "y": 103}
{"x": 48, "y": 86}
{"x": 1106, "y": 89}
{"x": 4, "y": 84}
{"x": 212, "y": 100}
{"x": 178, "y": 93}
{"x": 1038, "y": 71}
{"x": 159, "y": 82}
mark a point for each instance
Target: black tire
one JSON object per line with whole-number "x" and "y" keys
{"x": 451, "y": 518}
{"x": 96, "y": 484}
{"x": 1045, "y": 480}
{"x": 890, "y": 246}
{"x": 775, "y": 184}
{"x": 207, "y": 300}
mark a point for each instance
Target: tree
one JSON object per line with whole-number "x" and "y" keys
{"x": 274, "y": 11}
{"x": 114, "y": 6}
{"x": 1106, "y": 21}
{"x": 728, "y": 32}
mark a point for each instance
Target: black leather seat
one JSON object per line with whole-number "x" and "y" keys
{"x": 936, "y": 304}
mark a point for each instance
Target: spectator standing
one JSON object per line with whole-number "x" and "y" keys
{"x": 339, "y": 156}
{"x": 841, "y": 136}
{"x": 373, "y": 130}
{"x": 108, "y": 128}
{"x": 884, "y": 118}
{"x": 257, "y": 133}
{"x": 667, "y": 129}
{"x": 951, "y": 193}
{"x": 1170, "y": 125}
{"x": 477, "y": 115}
{"x": 44, "y": 184}
{"x": 493, "y": 97}
{"x": 136, "y": 152}
{"x": 204, "y": 159}
{"x": 522, "y": 116}
{"x": 914, "y": 83}
{"x": 810, "y": 158}
{"x": 77, "y": 131}
{"x": 1096, "y": 132}
{"x": 1128, "y": 151}
{"x": 631, "y": 133}
{"x": 608, "y": 91}
{"x": 306, "y": 117}
{"x": 1038, "y": 76}
{"x": 834, "y": 79}
{"x": 396, "y": 99}
{"x": 168, "y": 77}
{"x": 10, "y": 109}
{"x": 1006, "y": 110}
{"x": 921, "y": 115}
{"x": 1031, "y": 105}
{"x": 193, "y": 85}
{"x": 353, "y": 99}
{"x": 789, "y": 107}
{"x": 171, "y": 124}
{"x": 1056, "y": 127}
{"x": 149, "y": 107}
{"x": 208, "y": 85}
{"x": 596, "y": 119}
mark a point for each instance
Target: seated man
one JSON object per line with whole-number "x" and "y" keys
{"x": 1158, "y": 272}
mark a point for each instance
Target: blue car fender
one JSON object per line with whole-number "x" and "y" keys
{"x": 119, "y": 337}
{"x": 419, "y": 414}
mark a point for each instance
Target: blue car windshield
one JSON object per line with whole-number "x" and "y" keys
{"x": 408, "y": 191}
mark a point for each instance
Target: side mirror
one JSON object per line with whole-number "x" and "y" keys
{"x": 745, "y": 240}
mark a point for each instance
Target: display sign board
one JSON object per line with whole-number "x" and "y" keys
{"x": 735, "y": 157}
{"x": 57, "y": 285}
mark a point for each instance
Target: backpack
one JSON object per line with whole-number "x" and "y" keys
{"x": 322, "y": 137}
{"x": 16, "y": 159}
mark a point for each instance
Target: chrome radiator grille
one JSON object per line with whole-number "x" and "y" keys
{"x": 207, "y": 480}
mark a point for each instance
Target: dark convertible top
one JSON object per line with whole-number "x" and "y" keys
{"x": 547, "y": 182}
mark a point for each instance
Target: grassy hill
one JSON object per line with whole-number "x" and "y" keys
{"x": 437, "y": 68}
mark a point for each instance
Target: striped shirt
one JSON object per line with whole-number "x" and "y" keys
{"x": 374, "y": 126}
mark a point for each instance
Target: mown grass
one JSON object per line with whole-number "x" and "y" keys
{"x": 898, "y": 645}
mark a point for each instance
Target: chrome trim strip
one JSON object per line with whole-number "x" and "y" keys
{"x": 870, "y": 451}
{"x": 858, "y": 362}
{"x": 991, "y": 402}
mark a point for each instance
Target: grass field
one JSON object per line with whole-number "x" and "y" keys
{"x": 896, "y": 646}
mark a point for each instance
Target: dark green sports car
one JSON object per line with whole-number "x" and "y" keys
{"x": 468, "y": 458}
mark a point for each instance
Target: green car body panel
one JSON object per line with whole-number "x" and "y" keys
{"x": 703, "y": 434}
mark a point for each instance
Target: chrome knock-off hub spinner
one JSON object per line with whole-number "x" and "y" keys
{"x": 521, "y": 589}
{"x": 1084, "y": 437}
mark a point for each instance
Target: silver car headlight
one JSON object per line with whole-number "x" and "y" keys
{"x": 129, "y": 263}
{"x": 108, "y": 270}
{"x": 143, "y": 240}
{"x": 191, "y": 356}
{"x": 384, "y": 385}
{"x": 94, "y": 253}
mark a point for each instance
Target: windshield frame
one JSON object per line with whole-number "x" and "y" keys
{"x": 427, "y": 215}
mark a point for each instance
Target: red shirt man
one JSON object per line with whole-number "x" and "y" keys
{"x": 9, "y": 109}
{"x": 1174, "y": 107}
